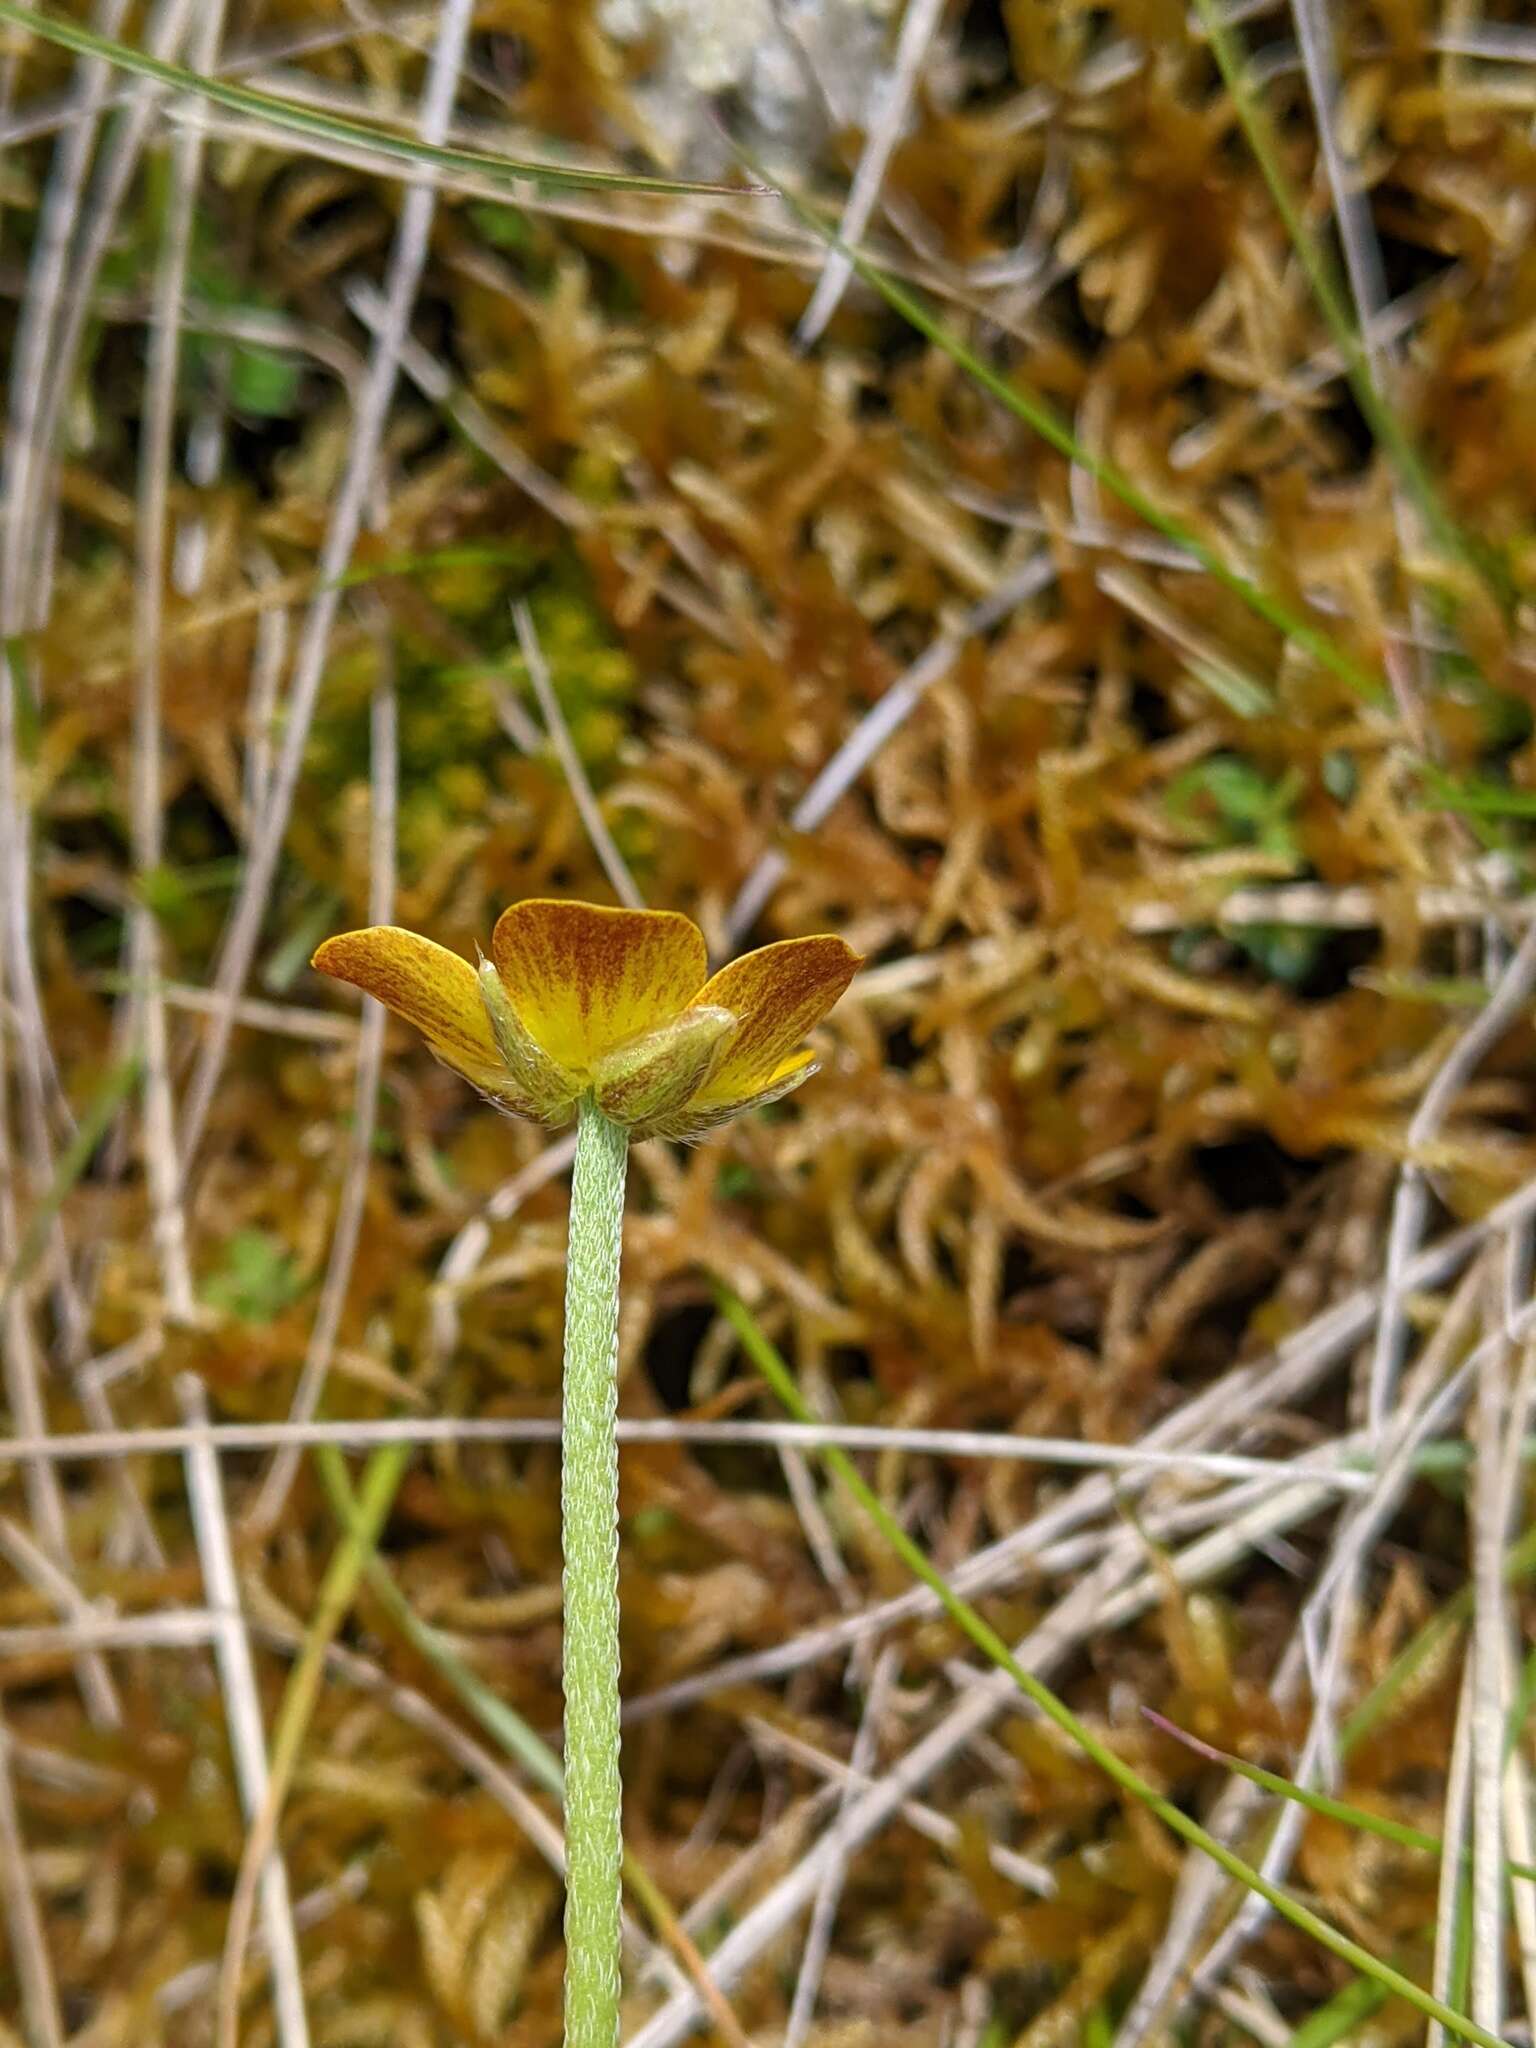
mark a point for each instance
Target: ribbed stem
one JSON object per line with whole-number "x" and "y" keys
{"x": 589, "y": 1503}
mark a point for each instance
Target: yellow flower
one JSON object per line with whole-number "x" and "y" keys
{"x": 578, "y": 999}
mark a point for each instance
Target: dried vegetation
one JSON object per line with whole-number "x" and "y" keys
{"x": 1175, "y": 1034}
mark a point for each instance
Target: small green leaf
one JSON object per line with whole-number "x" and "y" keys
{"x": 1351, "y": 2008}
{"x": 263, "y": 383}
{"x": 28, "y": 716}
{"x": 1098, "y": 2029}
{"x": 167, "y": 891}
{"x": 1237, "y": 804}
{"x": 258, "y": 1279}
{"x": 460, "y": 555}
{"x": 1454, "y": 992}
{"x": 504, "y": 227}
{"x": 292, "y": 954}
{"x": 1286, "y": 952}
{"x": 1479, "y": 798}
{"x": 650, "y": 1524}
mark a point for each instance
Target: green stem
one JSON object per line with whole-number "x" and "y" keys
{"x": 293, "y": 115}
{"x": 589, "y": 1505}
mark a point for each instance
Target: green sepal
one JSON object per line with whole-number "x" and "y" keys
{"x": 549, "y": 1090}
{"x": 645, "y": 1083}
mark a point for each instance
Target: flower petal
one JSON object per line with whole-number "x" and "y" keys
{"x": 700, "y": 1116}
{"x": 584, "y": 978}
{"x": 429, "y": 987}
{"x": 644, "y": 1083}
{"x": 780, "y": 993}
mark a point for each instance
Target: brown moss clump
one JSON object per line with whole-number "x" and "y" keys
{"x": 1170, "y": 929}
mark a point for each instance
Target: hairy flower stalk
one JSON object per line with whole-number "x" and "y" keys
{"x": 606, "y": 1015}
{"x": 589, "y": 1515}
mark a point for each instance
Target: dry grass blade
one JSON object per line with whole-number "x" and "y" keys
{"x": 1492, "y": 1514}
{"x": 359, "y": 1540}
{"x": 242, "y": 1707}
{"x": 192, "y": 1987}
{"x": 926, "y": 1820}
{"x": 783, "y": 1903}
{"x": 35, "y": 332}
{"x": 1411, "y": 1200}
{"x": 609, "y": 858}
{"x": 48, "y": 1577}
{"x": 408, "y": 256}
{"x": 147, "y": 1009}
{"x": 860, "y": 747}
{"x": 44, "y": 394}
{"x": 1289, "y": 1373}
{"x": 1327, "y": 1627}
{"x": 434, "y": 382}
{"x": 24, "y": 1925}
{"x": 919, "y": 25}
{"x": 1388, "y": 429}
{"x": 818, "y": 1939}
{"x": 1451, "y": 1920}
{"x": 383, "y": 752}
{"x": 1342, "y": 1470}
{"x": 21, "y": 1362}
{"x": 1056, "y": 431}
{"x": 1368, "y": 288}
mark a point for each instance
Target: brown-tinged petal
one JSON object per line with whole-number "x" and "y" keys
{"x": 701, "y": 1115}
{"x": 429, "y": 987}
{"x": 584, "y": 978}
{"x": 780, "y": 993}
{"x": 648, "y": 1080}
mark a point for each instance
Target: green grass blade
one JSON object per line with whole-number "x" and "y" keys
{"x": 1479, "y": 799}
{"x": 302, "y": 120}
{"x": 1461, "y": 1974}
{"x": 117, "y": 1084}
{"x": 1437, "y": 1631}
{"x": 1323, "y": 1803}
{"x": 1520, "y": 1706}
{"x": 505, "y": 1726}
{"x": 1351, "y": 2008}
{"x": 1452, "y": 992}
{"x": 766, "y": 1358}
{"x": 1423, "y": 1647}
